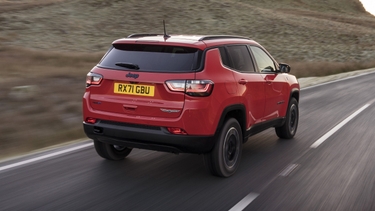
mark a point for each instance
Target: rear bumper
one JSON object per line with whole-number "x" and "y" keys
{"x": 147, "y": 137}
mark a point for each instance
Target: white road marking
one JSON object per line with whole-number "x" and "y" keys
{"x": 337, "y": 127}
{"x": 244, "y": 202}
{"x": 288, "y": 170}
{"x": 3, "y": 168}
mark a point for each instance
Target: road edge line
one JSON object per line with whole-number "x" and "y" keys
{"x": 49, "y": 155}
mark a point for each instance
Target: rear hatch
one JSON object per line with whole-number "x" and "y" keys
{"x": 135, "y": 76}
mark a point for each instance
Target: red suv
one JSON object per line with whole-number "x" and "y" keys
{"x": 188, "y": 94}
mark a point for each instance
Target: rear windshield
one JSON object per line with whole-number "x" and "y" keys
{"x": 152, "y": 58}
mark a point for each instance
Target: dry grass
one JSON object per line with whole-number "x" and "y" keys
{"x": 9, "y": 5}
{"x": 308, "y": 69}
{"x": 49, "y": 115}
{"x": 50, "y": 45}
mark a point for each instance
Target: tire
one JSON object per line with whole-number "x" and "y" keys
{"x": 111, "y": 152}
{"x": 224, "y": 159}
{"x": 289, "y": 128}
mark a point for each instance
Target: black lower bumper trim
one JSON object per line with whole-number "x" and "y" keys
{"x": 142, "y": 137}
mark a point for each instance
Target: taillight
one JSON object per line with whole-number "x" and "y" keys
{"x": 201, "y": 88}
{"x": 93, "y": 79}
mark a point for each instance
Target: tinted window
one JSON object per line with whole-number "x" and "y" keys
{"x": 240, "y": 58}
{"x": 156, "y": 58}
{"x": 224, "y": 57}
{"x": 264, "y": 62}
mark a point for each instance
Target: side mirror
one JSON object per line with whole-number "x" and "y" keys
{"x": 284, "y": 68}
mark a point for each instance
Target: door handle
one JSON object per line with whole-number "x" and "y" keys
{"x": 242, "y": 81}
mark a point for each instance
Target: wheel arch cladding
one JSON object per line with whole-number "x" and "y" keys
{"x": 294, "y": 94}
{"x": 237, "y": 111}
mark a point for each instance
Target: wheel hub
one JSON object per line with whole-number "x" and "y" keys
{"x": 231, "y": 147}
{"x": 293, "y": 118}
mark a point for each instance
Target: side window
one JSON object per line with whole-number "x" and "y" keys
{"x": 224, "y": 56}
{"x": 240, "y": 58}
{"x": 263, "y": 61}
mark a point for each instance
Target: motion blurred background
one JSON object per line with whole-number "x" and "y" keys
{"x": 48, "y": 46}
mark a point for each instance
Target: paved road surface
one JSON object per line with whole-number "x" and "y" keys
{"x": 337, "y": 174}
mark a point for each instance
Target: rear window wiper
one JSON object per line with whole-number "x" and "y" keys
{"x": 128, "y": 65}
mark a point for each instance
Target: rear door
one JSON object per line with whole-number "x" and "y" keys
{"x": 250, "y": 84}
{"x": 134, "y": 77}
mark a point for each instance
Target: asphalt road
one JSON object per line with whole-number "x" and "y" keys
{"x": 338, "y": 173}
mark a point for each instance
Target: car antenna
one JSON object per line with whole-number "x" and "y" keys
{"x": 166, "y": 36}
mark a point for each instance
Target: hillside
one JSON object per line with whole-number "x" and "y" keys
{"x": 333, "y": 30}
{"x": 48, "y": 46}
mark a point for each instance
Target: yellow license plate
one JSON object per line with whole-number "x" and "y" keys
{"x": 134, "y": 89}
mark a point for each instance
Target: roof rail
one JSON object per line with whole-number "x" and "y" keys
{"x": 143, "y": 35}
{"x": 213, "y": 37}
